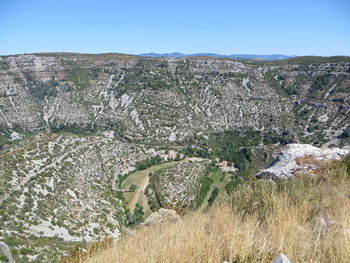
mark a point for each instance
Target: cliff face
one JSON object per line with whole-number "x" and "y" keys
{"x": 167, "y": 100}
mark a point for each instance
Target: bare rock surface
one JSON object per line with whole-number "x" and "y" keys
{"x": 288, "y": 161}
{"x": 282, "y": 258}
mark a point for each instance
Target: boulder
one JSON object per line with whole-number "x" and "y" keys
{"x": 162, "y": 215}
{"x": 282, "y": 258}
{"x": 300, "y": 158}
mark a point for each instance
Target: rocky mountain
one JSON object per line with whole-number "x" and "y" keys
{"x": 170, "y": 100}
{"x": 74, "y": 126}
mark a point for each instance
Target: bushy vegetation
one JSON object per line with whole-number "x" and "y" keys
{"x": 227, "y": 146}
{"x": 232, "y": 146}
{"x": 291, "y": 89}
{"x": 202, "y": 193}
{"x": 73, "y": 128}
{"x": 133, "y": 187}
{"x": 304, "y": 60}
{"x": 3, "y": 258}
{"x": 272, "y": 82}
{"x": 142, "y": 165}
{"x": 121, "y": 178}
{"x": 40, "y": 89}
{"x": 345, "y": 134}
{"x": 284, "y": 138}
{"x": 195, "y": 152}
{"x": 137, "y": 217}
{"x": 4, "y": 64}
{"x": 154, "y": 203}
{"x": 79, "y": 76}
{"x": 319, "y": 84}
{"x": 213, "y": 196}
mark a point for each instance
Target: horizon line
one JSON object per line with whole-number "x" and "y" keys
{"x": 171, "y": 53}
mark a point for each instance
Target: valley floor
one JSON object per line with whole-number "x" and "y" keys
{"x": 141, "y": 179}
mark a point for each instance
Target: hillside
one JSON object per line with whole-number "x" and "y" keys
{"x": 307, "y": 219}
{"x": 90, "y": 145}
{"x": 170, "y": 100}
{"x": 59, "y": 187}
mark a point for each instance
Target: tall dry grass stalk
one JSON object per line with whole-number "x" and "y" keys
{"x": 306, "y": 219}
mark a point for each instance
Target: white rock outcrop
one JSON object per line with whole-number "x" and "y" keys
{"x": 286, "y": 164}
{"x": 282, "y": 258}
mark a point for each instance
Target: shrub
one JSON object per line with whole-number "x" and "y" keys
{"x": 41, "y": 89}
{"x": 25, "y": 251}
{"x": 320, "y": 83}
{"x": 11, "y": 241}
{"x": 202, "y": 193}
{"x": 213, "y": 196}
{"x": 137, "y": 217}
{"x": 133, "y": 187}
{"x": 148, "y": 162}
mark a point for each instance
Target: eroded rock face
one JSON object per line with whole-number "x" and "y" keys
{"x": 171, "y": 99}
{"x": 299, "y": 158}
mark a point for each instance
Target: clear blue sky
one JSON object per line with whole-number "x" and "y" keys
{"x": 291, "y": 27}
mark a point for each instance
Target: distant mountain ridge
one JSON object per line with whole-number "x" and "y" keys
{"x": 235, "y": 56}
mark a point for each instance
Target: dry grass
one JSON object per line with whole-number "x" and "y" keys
{"x": 307, "y": 219}
{"x": 309, "y": 160}
{"x": 311, "y": 166}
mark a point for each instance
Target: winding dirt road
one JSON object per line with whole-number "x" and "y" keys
{"x": 5, "y": 249}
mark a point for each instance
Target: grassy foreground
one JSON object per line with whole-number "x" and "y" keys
{"x": 308, "y": 219}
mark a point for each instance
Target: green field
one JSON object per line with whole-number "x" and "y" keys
{"x": 140, "y": 179}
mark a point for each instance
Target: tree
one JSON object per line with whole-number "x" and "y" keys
{"x": 133, "y": 187}
{"x": 138, "y": 213}
{"x": 177, "y": 158}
